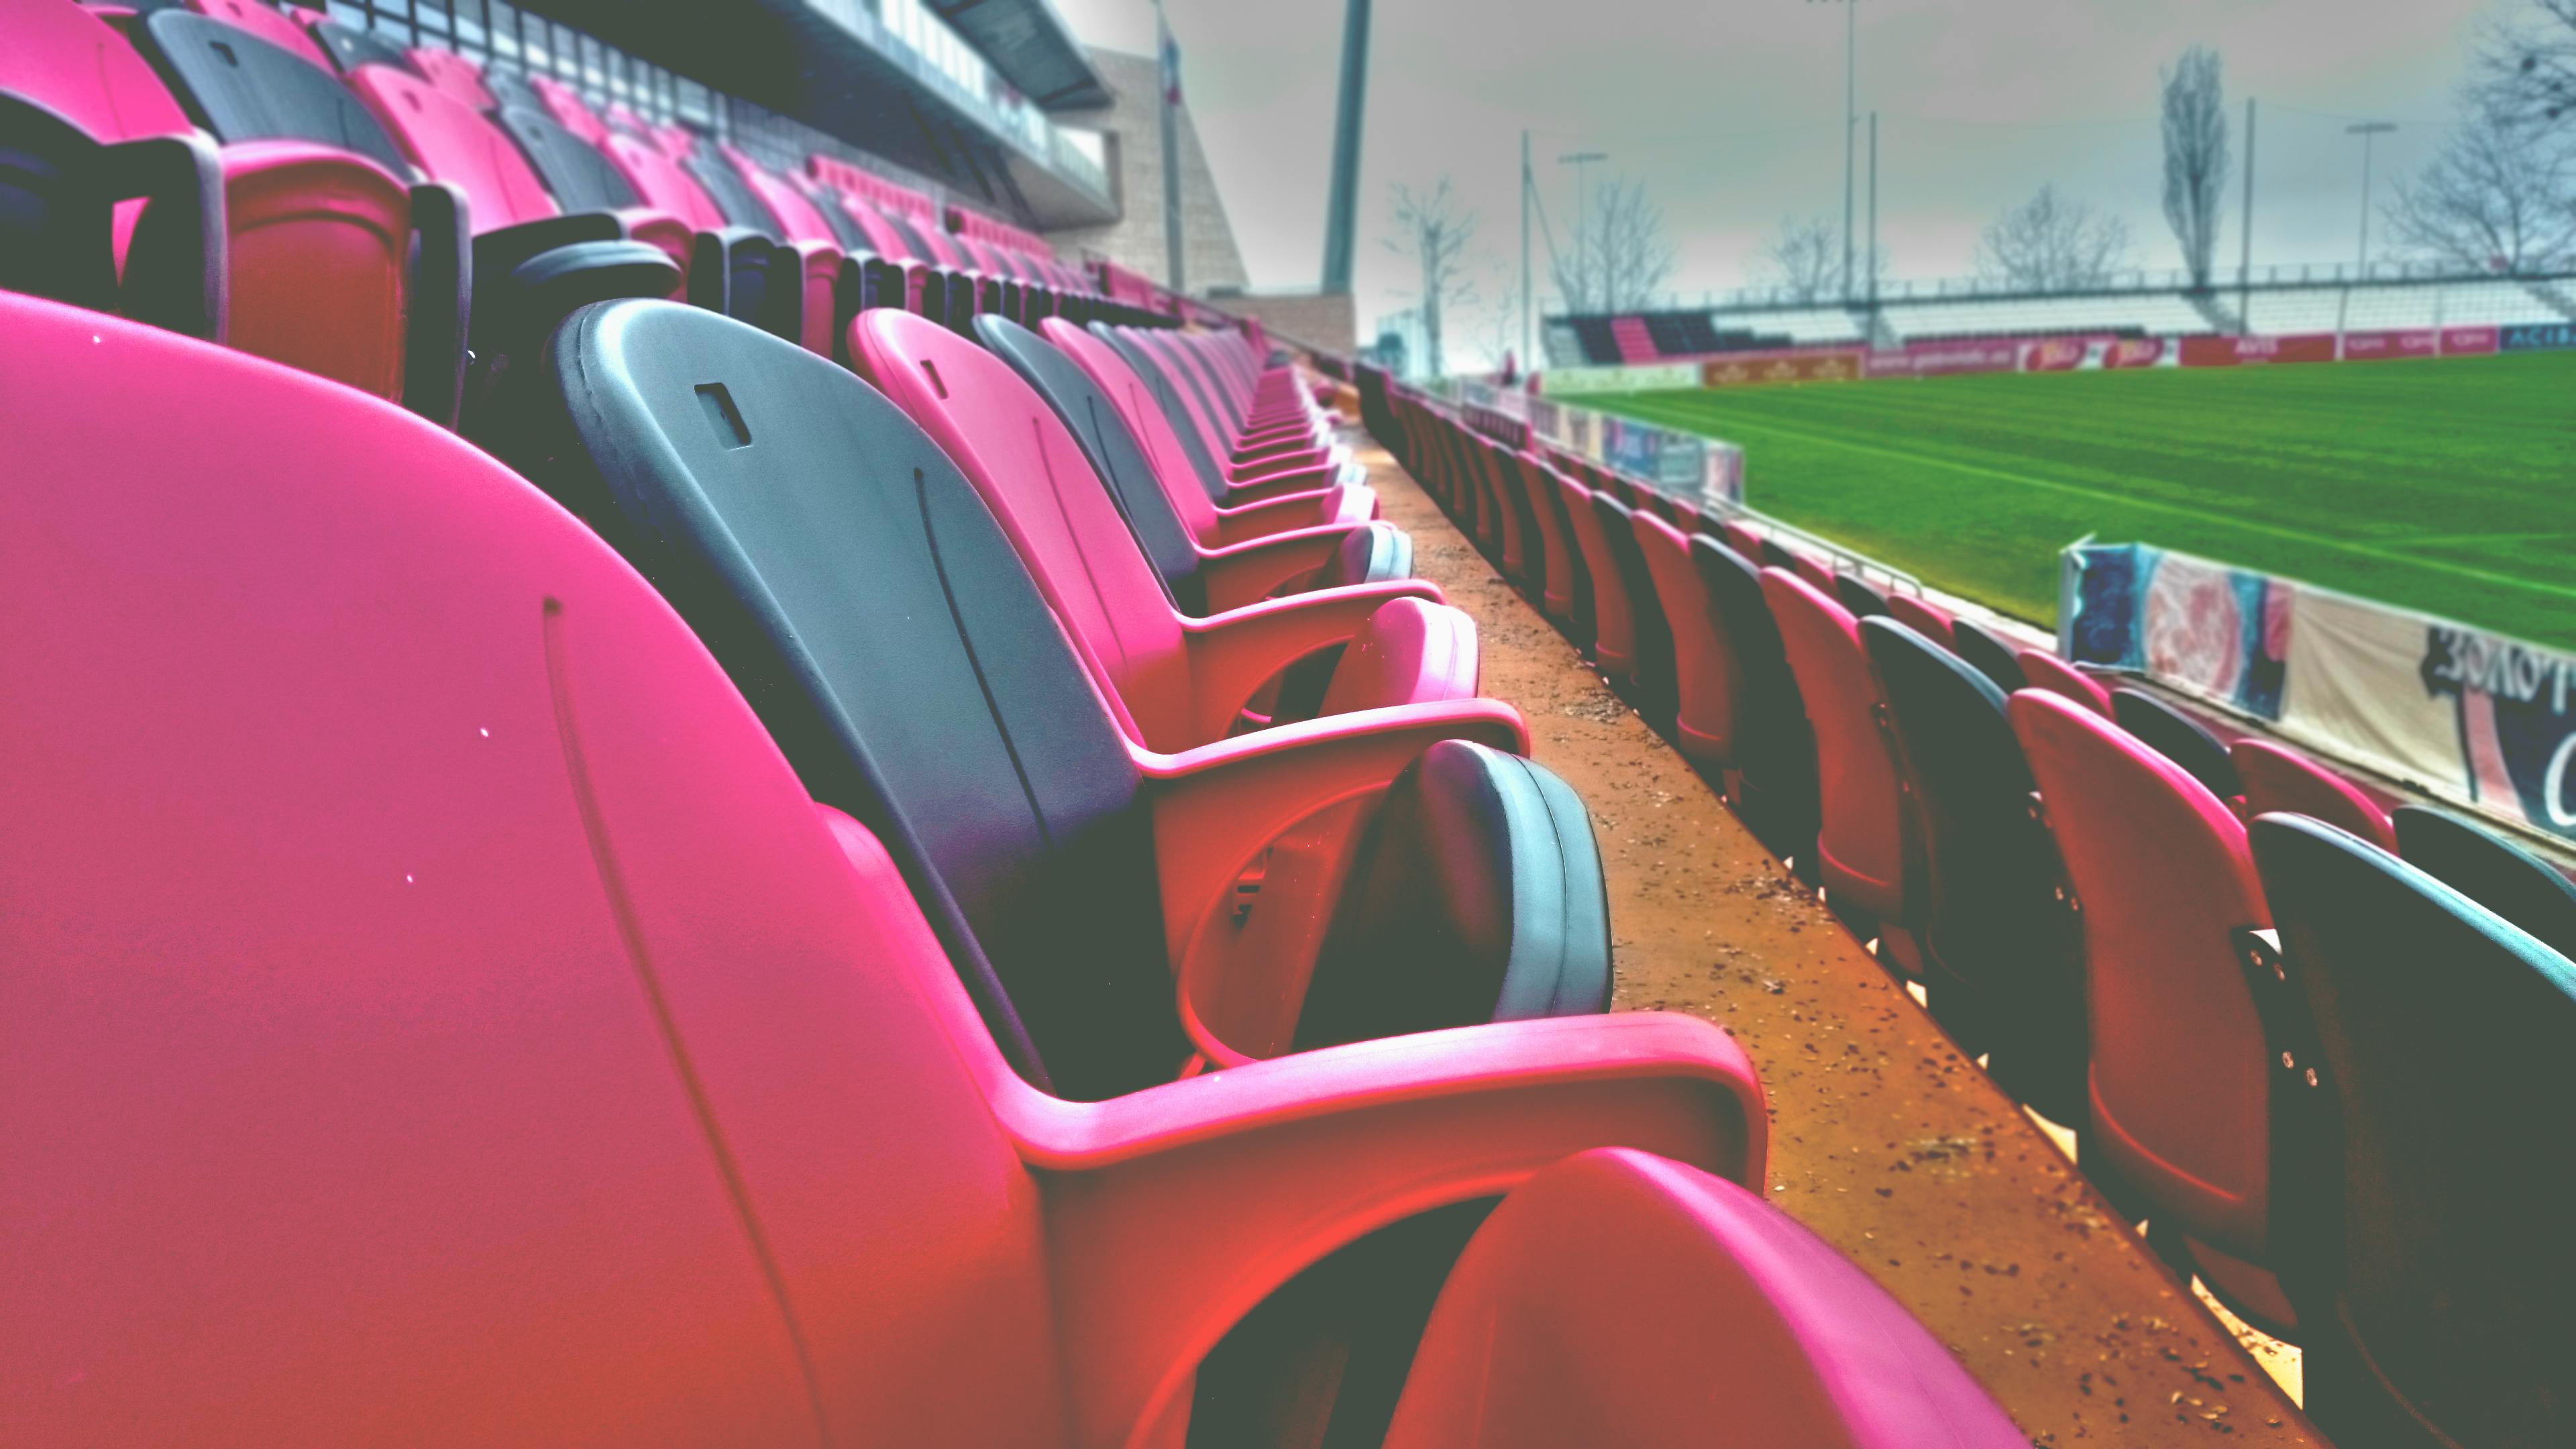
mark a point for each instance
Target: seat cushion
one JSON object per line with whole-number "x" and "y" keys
{"x": 1475, "y": 894}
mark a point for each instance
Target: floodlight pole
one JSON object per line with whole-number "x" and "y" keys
{"x": 2245, "y": 242}
{"x": 1581, "y": 160}
{"x": 1527, "y": 184}
{"x": 2368, "y": 131}
{"x": 1851, "y": 126}
{"x": 1341, "y": 225}
{"x": 1873, "y": 222}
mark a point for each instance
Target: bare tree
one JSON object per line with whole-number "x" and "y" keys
{"x": 1803, "y": 259}
{"x": 2053, "y": 243}
{"x": 2195, "y": 133}
{"x": 2527, "y": 68}
{"x": 2501, "y": 196}
{"x": 1622, "y": 257}
{"x": 1434, "y": 232}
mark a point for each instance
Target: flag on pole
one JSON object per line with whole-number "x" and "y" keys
{"x": 1171, "y": 51}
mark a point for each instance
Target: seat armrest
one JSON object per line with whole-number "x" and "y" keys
{"x": 187, "y": 287}
{"x": 1217, "y": 808}
{"x": 1234, "y": 653}
{"x": 442, "y": 303}
{"x": 1313, "y": 479}
{"x": 1245, "y": 522}
{"x": 1174, "y": 1210}
{"x": 1236, "y": 575}
{"x": 498, "y": 252}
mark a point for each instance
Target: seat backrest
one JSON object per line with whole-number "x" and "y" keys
{"x": 1993, "y": 924}
{"x": 797, "y": 216}
{"x": 1770, "y": 718}
{"x": 457, "y": 144}
{"x": 268, "y": 23}
{"x": 660, "y": 183}
{"x": 1605, "y": 1284}
{"x": 2047, "y": 671}
{"x": 573, "y": 168}
{"x": 66, "y": 59}
{"x": 1988, "y": 653}
{"x": 2276, "y": 777}
{"x": 862, "y": 596}
{"x": 1166, "y": 456}
{"x": 2434, "y": 1240}
{"x": 350, "y": 47}
{"x": 1511, "y": 511}
{"x": 1859, "y": 596}
{"x": 453, "y": 74}
{"x": 732, "y": 195}
{"x": 487, "y": 1019}
{"x": 566, "y": 107}
{"x": 1058, "y": 513}
{"x": 2161, "y": 878}
{"x": 245, "y": 89}
{"x": 2178, "y": 737}
{"x": 1705, "y": 679}
{"x": 1560, "y": 565}
{"x": 1861, "y": 842}
{"x": 1099, "y": 424}
{"x": 1922, "y": 616}
{"x": 1650, "y": 646}
{"x": 2491, "y": 870}
{"x": 1207, "y": 452}
{"x": 1614, "y": 620}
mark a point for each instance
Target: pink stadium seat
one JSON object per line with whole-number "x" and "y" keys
{"x": 1864, "y": 842}
{"x": 1211, "y": 525}
{"x": 2046, "y": 671}
{"x": 2276, "y": 777}
{"x": 568, "y": 108}
{"x": 493, "y": 1027}
{"x": 1815, "y": 571}
{"x": 1182, "y": 682}
{"x": 454, "y": 74}
{"x": 1613, "y": 644}
{"x": 1742, "y": 539}
{"x": 2163, "y": 880}
{"x": 1922, "y": 616}
{"x": 1704, "y": 672}
{"x": 1591, "y": 1293}
{"x": 268, "y": 23}
{"x": 318, "y": 241}
{"x": 1561, "y": 573}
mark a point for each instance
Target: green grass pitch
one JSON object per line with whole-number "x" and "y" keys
{"x": 2447, "y": 486}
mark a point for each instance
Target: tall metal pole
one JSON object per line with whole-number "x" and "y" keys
{"x": 1527, "y": 183}
{"x": 1342, "y": 223}
{"x": 1168, "y": 57}
{"x": 1851, "y": 125}
{"x": 2245, "y": 254}
{"x": 2368, "y": 131}
{"x": 1581, "y": 160}
{"x": 1873, "y": 214}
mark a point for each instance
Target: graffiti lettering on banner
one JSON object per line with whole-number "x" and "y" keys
{"x": 2517, "y": 728}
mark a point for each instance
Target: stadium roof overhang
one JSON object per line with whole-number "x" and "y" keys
{"x": 839, "y": 73}
{"x": 1032, "y": 48}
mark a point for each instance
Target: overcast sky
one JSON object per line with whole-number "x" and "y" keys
{"x": 1731, "y": 113}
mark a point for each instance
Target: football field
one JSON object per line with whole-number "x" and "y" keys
{"x": 2447, "y": 486}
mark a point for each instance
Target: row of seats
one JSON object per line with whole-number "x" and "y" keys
{"x": 393, "y": 216}
{"x": 946, "y": 888}
{"x": 2263, "y": 1001}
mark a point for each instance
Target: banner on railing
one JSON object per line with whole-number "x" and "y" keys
{"x": 2479, "y": 719}
{"x": 2256, "y": 351}
{"x": 1947, "y": 359}
{"x": 1650, "y": 377}
{"x": 1686, "y": 465}
{"x": 2538, "y": 337}
{"x": 1753, "y": 368}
